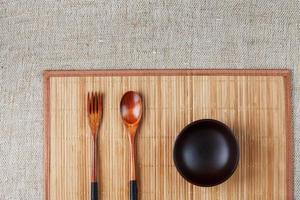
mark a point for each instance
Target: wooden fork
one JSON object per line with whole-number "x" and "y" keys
{"x": 94, "y": 109}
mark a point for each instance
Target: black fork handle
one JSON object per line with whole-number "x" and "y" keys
{"x": 94, "y": 191}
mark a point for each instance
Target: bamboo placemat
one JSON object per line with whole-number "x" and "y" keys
{"x": 255, "y": 104}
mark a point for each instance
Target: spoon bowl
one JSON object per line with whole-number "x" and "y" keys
{"x": 131, "y": 108}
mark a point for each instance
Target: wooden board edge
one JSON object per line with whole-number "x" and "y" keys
{"x": 167, "y": 72}
{"x": 46, "y": 95}
{"x": 156, "y": 72}
{"x": 289, "y": 136}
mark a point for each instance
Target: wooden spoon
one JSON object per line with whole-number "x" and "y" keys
{"x": 131, "y": 112}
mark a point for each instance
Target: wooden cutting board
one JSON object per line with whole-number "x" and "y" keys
{"x": 256, "y": 104}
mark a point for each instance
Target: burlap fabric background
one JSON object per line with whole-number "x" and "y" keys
{"x": 97, "y": 34}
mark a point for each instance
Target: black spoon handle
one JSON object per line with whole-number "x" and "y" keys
{"x": 94, "y": 191}
{"x": 133, "y": 190}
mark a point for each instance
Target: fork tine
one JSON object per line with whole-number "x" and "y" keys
{"x": 96, "y": 102}
{"x": 99, "y": 103}
{"x": 88, "y": 103}
{"x": 92, "y": 102}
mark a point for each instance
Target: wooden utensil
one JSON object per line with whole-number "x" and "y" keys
{"x": 94, "y": 108}
{"x": 131, "y": 112}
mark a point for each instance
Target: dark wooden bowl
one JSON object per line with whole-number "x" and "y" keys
{"x": 206, "y": 152}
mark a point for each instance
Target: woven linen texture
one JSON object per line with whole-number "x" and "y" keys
{"x": 98, "y": 34}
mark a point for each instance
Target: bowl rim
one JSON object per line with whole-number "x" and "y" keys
{"x": 237, "y": 153}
